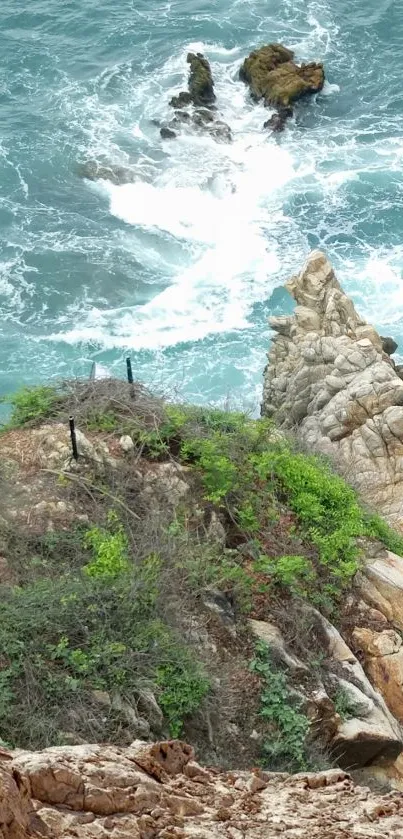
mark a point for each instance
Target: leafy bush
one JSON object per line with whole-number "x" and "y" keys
{"x": 109, "y": 550}
{"x": 101, "y": 629}
{"x": 285, "y": 747}
{"x": 344, "y": 705}
{"x": 32, "y": 405}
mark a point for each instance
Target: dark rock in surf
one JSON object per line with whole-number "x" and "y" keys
{"x": 389, "y": 345}
{"x": 201, "y": 84}
{"x": 278, "y": 120}
{"x": 91, "y": 170}
{"x": 273, "y": 75}
{"x": 181, "y": 100}
{"x": 203, "y": 116}
{"x": 221, "y": 131}
{"x": 167, "y": 133}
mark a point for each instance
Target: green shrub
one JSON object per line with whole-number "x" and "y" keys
{"x": 109, "y": 550}
{"x": 344, "y": 705}
{"x": 32, "y": 405}
{"x": 182, "y": 689}
{"x": 61, "y": 639}
{"x": 285, "y": 747}
{"x": 294, "y": 572}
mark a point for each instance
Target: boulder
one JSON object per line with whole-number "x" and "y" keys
{"x": 381, "y": 585}
{"x": 389, "y": 345}
{"x": 329, "y": 378}
{"x": 273, "y": 76}
{"x": 383, "y": 657}
{"x": 15, "y": 805}
{"x": 371, "y": 733}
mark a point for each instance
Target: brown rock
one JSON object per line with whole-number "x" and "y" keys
{"x": 272, "y": 75}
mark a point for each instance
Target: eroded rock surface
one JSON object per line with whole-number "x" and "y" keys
{"x": 329, "y": 377}
{"x": 273, "y": 75}
{"x": 159, "y": 790}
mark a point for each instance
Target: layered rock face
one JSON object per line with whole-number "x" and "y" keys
{"x": 329, "y": 378}
{"x": 148, "y": 791}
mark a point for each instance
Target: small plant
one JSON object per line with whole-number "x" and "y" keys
{"x": 294, "y": 572}
{"x": 181, "y": 692}
{"x": 344, "y": 705}
{"x": 109, "y": 550}
{"x": 32, "y": 405}
{"x": 285, "y": 747}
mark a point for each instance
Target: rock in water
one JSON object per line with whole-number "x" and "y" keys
{"x": 389, "y": 345}
{"x": 278, "y": 120}
{"x": 201, "y": 85}
{"x": 167, "y": 133}
{"x": 94, "y": 171}
{"x": 181, "y": 100}
{"x": 273, "y": 75}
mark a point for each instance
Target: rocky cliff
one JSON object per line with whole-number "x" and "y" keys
{"x": 190, "y": 573}
{"x": 149, "y": 791}
{"x": 329, "y": 378}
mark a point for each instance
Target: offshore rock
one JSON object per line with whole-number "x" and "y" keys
{"x": 273, "y": 75}
{"x": 201, "y": 84}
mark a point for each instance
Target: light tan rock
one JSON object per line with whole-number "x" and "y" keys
{"x": 328, "y": 375}
{"x": 118, "y": 799}
{"x": 372, "y": 733}
{"x": 383, "y": 653}
{"x": 15, "y": 805}
{"x": 384, "y": 588}
{"x": 271, "y": 635}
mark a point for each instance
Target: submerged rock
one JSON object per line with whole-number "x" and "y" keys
{"x": 278, "y": 120}
{"x": 167, "y": 133}
{"x": 91, "y": 170}
{"x": 273, "y": 75}
{"x": 181, "y": 100}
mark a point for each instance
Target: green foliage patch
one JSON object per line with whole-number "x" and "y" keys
{"x": 285, "y": 747}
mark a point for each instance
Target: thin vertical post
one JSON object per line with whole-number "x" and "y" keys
{"x": 73, "y": 438}
{"x": 129, "y": 371}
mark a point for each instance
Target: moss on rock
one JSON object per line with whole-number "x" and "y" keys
{"x": 272, "y": 75}
{"x": 201, "y": 84}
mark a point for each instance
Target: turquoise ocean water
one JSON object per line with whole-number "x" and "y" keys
{"x": 183, "y": 267}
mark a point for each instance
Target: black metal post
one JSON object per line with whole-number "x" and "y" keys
{"x": 73, "y": 438}
{"x": 129, "y": 371}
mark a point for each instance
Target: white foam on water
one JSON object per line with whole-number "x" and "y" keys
{"x": 376, "y": 285}
{"x": 221, "y": 201}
